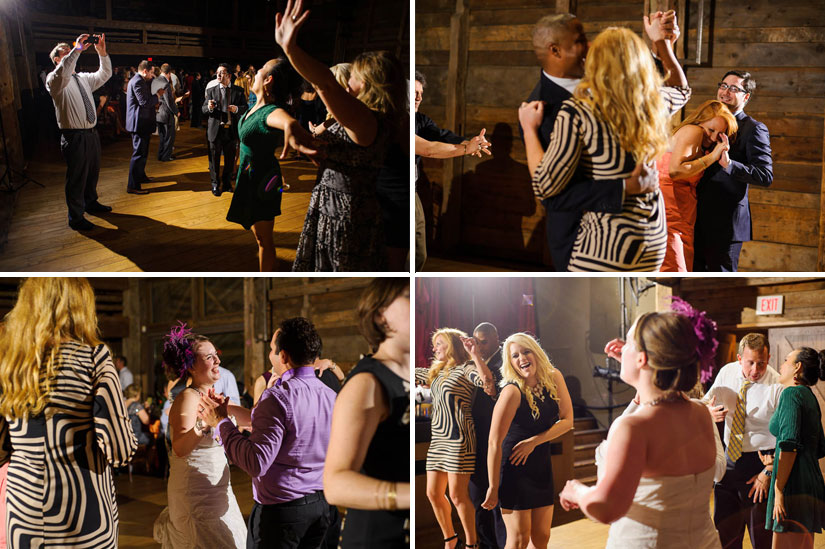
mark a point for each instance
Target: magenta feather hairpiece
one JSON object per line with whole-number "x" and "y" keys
{"x": 178, "y": 346}
{"x": 705, "y": 330}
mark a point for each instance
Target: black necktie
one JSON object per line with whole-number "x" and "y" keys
{"x": 90, "y": 111}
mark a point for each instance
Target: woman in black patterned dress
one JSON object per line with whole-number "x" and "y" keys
{"x": 618, "y": 116}
{"x": 369, "y": 470}
{"x": 61, "y": 397}
{"x": 456, "y": 372}
{"x": 343, "y": 230}
{"x": 533, "y": 408}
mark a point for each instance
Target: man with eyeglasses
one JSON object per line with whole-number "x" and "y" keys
{"x": 723, "y": 220}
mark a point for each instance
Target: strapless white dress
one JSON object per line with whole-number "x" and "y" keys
{"x": 666, "y": 513}
{"x": 202, "y": 510}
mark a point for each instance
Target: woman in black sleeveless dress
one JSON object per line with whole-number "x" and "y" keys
{"x": 371, "y": 423}
{"x": 533, "y": 408}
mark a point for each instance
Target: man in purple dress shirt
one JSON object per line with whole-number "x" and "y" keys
{"x": 285, "y": 453}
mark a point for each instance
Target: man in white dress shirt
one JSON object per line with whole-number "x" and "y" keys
{"x": 123, "y": 372}
{"x": 740, "y": 498}
{"x": 76, "y": 118}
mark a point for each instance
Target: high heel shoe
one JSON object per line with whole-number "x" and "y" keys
{"x": 454, "y": 537}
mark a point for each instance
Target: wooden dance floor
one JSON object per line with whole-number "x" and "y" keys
{"x": 179, "y": 226}
{"x": 141, "y": 501}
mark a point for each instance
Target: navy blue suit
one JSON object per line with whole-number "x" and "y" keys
{"x": 723, "y": 219}
{"x": 140, "y": 121}
{"x": 564, "y": 211}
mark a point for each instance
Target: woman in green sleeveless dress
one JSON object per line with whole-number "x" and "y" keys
{"x": 259, "y": 185}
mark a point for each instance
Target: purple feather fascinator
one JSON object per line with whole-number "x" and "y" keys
{"x": 705, "y": 330}
{"x": 177, "y": 350}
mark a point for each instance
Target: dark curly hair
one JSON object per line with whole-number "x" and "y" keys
{"x": 299, "y": 339}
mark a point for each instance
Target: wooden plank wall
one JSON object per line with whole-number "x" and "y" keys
{"x": 781, "y": 44}
{"x": 331, "y": 304}
{"x": 731, "y": 302}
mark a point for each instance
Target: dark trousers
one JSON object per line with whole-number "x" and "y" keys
{"x": 489, "y": 524}
{"x": 196, "y": 113}
{"x": 140, "y": 153}
{"x": 81, "y": 150}
{"x": 167, "y": 140}
{"x": 716, "y": 257}
{"x": 224, "y": 144}
{"x": 301, "y": 523}
{"x": 733, "y": 509}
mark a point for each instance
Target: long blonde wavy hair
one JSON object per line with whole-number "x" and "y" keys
{"x": 708, "y": 110}
{"x": 544, "y": 369}
{"x": 49, "y": 311}
{"x": 456, "y": 354}
{"x": 621, "y": 86}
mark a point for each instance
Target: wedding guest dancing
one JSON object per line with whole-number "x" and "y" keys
{"x": 223, "y": 105}
{"x": 343, "y": 229}
{"x": 723, "y": 219}
{"x": 656, "y": 472}
{"x": 748, "y": 392}
{"x": 259, "y": 185}
{"x": 285, "y": 453}
{"x": 369, "y": 471}
{"x": 489, "y": 525}
{"x": 534, "y": 408}
{"x": 456, "y": 371}
{"x": 560, "y": 45}
{"x": 64, "y": 417}
{"x": 697, "y": 143}
{"x": 140, "y": 122}
{"x": 201, "y": 507}
{"x": 76, "y": 118}
{"x": 604, "y": 131}
{"x": 797, "y": 494}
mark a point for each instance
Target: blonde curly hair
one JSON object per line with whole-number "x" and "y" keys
{"x": 544, "y": 369}
{"x": 621, "y": 86}
{"x": 49, "y": 311}
{"x": 456, "y": 354}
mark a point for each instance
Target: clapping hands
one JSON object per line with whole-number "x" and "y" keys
{"x": 213, "y": 408}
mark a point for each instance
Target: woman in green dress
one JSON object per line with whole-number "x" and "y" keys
{"x": 797, "y": 494}
{"x": 259, "y": 185}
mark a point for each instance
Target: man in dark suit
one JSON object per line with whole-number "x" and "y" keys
{"x": 224, "y": 105}
{"x": 140, "y": 121}
{"x": 561, "y": 47}
{"x": 167, "y": 112}
{"x": 723, "y": 218}
{"x": 489, "y": 524}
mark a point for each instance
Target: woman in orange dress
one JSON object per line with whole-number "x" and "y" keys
{"x": 708, "y": 128}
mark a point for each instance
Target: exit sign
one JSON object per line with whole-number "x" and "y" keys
{"x": 769, "y": 305}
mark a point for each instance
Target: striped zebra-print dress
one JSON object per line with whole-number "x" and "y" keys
{"x": 453, "y": 435}
{"x": 634, "y": 239}
{"x": 60, "y": 491}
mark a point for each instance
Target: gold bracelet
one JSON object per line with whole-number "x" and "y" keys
{"x": 392, "y": 496}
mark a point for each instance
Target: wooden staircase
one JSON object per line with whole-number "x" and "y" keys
{"x": 587, "y": 435}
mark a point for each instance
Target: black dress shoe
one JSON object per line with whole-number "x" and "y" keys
{"x": 216, "y": 191}
{"x": 82, "y": 224}
{"x": 227, "y": 189}
{"x": 137, "y": 191}
{"x": 97, "y": 207}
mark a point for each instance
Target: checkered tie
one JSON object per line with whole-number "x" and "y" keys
{"x": 90, "y": 111}
{"x": 737, "y": 428}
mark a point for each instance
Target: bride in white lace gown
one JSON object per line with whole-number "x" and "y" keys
{"x": 657, "y": 466}
{"x": 202, "y": 510}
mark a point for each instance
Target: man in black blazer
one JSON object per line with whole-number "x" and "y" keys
{"x": 723, "y": 218}
{"x": 166, "y": 115}
{"x": 561, "y": 47}
{"x": 140, "y": 122}
{"x": 224, "y": 105}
